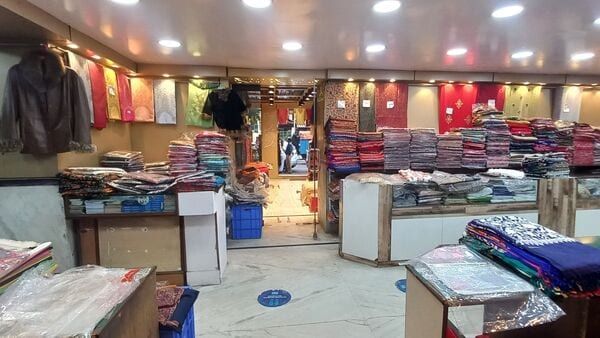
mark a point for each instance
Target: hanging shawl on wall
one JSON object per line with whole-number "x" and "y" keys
{"x": 142, "y": 96}
{"x": 125, "y": 99}
{"x": 80, "y": 65}
{"x": 341, "y": 100}
{"x": 391, "y": 105}
{"x": 112, "y": 94}
{"x": 366, "y": 102}
{"x": 491, "y": 91}
{"x": 194, "y": 114}
{"x": 165, "y": 105}
{"x": 282, "y": 116}
{"x": 98, "y": 94}
{"x": 456, "y": 106}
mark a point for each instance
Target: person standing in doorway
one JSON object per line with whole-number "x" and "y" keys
{"x": 289, "y": 149}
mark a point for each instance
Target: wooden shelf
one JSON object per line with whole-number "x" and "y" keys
{"x": 123, "y": 214}
{"x": 588, "y": 203}
{"x": 468, "y": 209}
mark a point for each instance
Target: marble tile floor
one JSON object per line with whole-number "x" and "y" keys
{"x": 280, "y": 231}
{"x": 331, "y": 297}
{"x": 284, "y": 199}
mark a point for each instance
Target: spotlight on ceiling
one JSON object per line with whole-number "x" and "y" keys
{"x": 292, "y": 46}
{"x": 375, "y": 48}
{"x": 169, "y": 43}
{"x": 257, "y": 3}
{"x": 166, "y": 75}
{"x": 582, "y": 56}
{"x": 350, "y": 79}
{"x": 523, "y": 54}
{"x": 386, "y": 6}
{"x": 508, "y": 11}
{"x": 392, "y": 80}
{"x": 72, "y": 45}
{"x": 96, "y": 57}
{"x": 456, "y": 51}
{"x": 371, "y": 80}
{"x": 126, "y": 2}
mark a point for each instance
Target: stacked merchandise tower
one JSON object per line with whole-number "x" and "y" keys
{"x": 423, "y": 149}
{"x": 497, "y": 144}
{"x": 450, "y": 151}
{"x": 564, "y": 138}
{"x": 183, "y": 158}
{"x": 545, "y": 132}
{"x": 370, "y": 151}
{"x": 396, "y": 148}
{"x": 341, "y": 146}
{"x": 584, "y": 140}
{"x": 213, "y": 154}
{"x": 474, "y": 154}
{"x": 522, "y": 141}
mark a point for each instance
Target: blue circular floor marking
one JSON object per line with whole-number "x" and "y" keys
{"x": 401, "y": 285}
{"x": 274, "y": 298}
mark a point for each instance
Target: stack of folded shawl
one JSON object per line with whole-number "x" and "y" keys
{"x": 142, "y": 183}
{"x": 341, "y": 145}
{"x": 546, "y": 165}
{"x": 161, "y": 168}
{"x": 396, "y": 145}
{"x": 87, "y": 181}
{"x": 449, "y": 151}
{"x": 182, "y": 156}
{"x": 213, "y": 154}
{"x": 497, "y": 144}
{"x": 370, "y": 151}
{"x": 199, "y": 181}
{"x": 583, "y": 144}
{"x": 474, "y": 154}
{"x": 522, "y": 141}
{"x": 564, "y": 138}
{"x": 559, "y": 265}
{"x": 423, "y": 148}
{"x": 123, "y": 159}
{"x": 545, "y": 131}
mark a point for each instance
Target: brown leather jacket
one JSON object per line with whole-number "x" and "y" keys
{"x": 44, "y": 110}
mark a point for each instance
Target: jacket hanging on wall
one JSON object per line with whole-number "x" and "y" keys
{"x": 45, "y": 109}
{"x": 226, "y": 107}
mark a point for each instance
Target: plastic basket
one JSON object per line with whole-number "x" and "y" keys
{"x": 246, "y": 221}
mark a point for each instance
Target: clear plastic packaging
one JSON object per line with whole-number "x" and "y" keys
{"x": 464, "y": 278}
{"x": 69, "y": 304}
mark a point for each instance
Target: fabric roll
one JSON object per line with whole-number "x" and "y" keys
{"x": 165, "y": 106}
{"x": 142, "y": 95}
{"x": 391, "y": 105}
{"x": 282, "y": 116}
{"x": 341, "y": 100}
{"x": 194, "y": 114}
{"x": 127, "y": 114}
{"x": 456, "y": 104}
{"x": 112, "y": 94}
{"x": 80, "y": 65}
{"x": 490, "y": 91}
{"x": 366, "y": 100}
{"x": 99, "y": 98}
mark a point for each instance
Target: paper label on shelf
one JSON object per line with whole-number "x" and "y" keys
{"x": 366, "y": 103}
{"x": 341, "y": 104}
{"x": 449, "y": 111}
{"x": 390, "y": 104}
{"x": 492, "y": 104}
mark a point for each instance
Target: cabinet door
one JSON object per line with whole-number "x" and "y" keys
{"x": 412, "y": 237}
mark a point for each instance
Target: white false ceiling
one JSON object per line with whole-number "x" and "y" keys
{"x": 335, "y": 33}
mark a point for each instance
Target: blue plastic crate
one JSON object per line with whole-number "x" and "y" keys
{"x": 187, "y": 331}
{"x": 246, "y": 221}
{"x": 154, "y": 203}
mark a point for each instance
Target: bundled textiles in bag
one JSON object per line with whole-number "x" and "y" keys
{"x": 213, "y": 156}
{"x": 18, "y": 257}
{"x": 124, "y": 159}
{"x": 183, "y": 157}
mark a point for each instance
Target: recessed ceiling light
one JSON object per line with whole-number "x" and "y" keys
{"x": 271, "y": 92}
{"x": 597, "y": 21}
{"x": 72, "y": 45}
{"x": 392, "y": 80}
{"x": 386, "y": 6}
{"x": 271, "y": 86}
{"x": 350, "y": 79}
{"x": 292, "y": 45}
{"x": 371, "y": 80}
{"x": 431, "y": 81}
{"x": 582, "y": 56}
{"x": 96, "y": 57}
{"x": 450, "y": 81}
{"x": 270, "y": 103}
{"x": 576, "y": 84}
{"x": 166, "y": 75}
{"x": 310, "y": 95}
{"x": 523, "y": 54}
{"x": 196, "y": 76}
{"x": 456, "y": 51}
{"x": 526, "y": 83}
{"x": 169, "y": 43}
{"x": 470, "y": 82}
{"x": 375, "y": 48}
{"x": 507, "y": 11}
{"x": 115, "y": 66}
{"x": 542, "y": 83}
{"x": 257, "y": 3}
{"x": 594, "y": 84}
{"x": 507, "y": 82}
{"x": 126, "y": 2}
{"x": 307, "y": 99}
{"x": 196, "y": 54}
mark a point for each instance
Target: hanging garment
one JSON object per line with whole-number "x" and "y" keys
{"x": 522, "y": 101}
{"x": 490, "y": 91}
{"x": 194, "y": 114}
{"x": 125, "y": 100}
{"x": 142, "y": 97}
{"x": 366, "y": 101}
{"x": 45, "y": 109}
{"x": 112, "y": 94}
{"x": 456, "y": 105}
{"x": 300, "y": 116}
{"x": 391, "y": 105}
{"x": 309, "y": 115}
{"x": 341, "y": 100}
{"x": 282, "y": 116}
{"x": 227, "y": 108}
{"x": 165, "y": 105}
{"x": 98, "y": 95}
{"x": 80, "y": 65}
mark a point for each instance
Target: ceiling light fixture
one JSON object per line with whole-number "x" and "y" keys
{"x": 507, "y": 82}
{"x": 115, "y": 66}
{"x": 257, "y": 3}
{"x": 431, "y": 81}
{"x": 522, "y": 54}
{"x": 576, "y": 84}
{"x": 270, "y": 103}
{"x": 196, "y": 76}
{"x": 169, "y": 43}
{"x": 392, "y": 80}
{"x": 196, "y": 54}
{"x": 271, "y": 86}
{"x": 456, "y": 51}
{"x": 594, "y": 84}
{"x": 526, "y": 83}
{"x": 96, "y": 57}
{"x": 371, "y": 80}
{"x": 450, "y": 81}
{"x": 307, "y": 99}
{"x": 166, "y": 75}
{"x": 126, "y": 2}
{"x": 507, "y": 11}
{"x": 597, "y": 22}
{"x": 375, "y": 48}
{"x": 72, "y": 45}
{"x": 542, "y": 83}
{"x": 292, "y": 45}
{"x": 386, "y": 6}
{"x": 470, "y": 82}
{"x": 350, "y": 79}
{"x": 582, "y": 56}
{"x": 271, "y": 92}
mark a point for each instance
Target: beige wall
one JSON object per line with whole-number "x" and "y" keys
{"x": 423, "y": 102}
{"x": 590, "y": 108}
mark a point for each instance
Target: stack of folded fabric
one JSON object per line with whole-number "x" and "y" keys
{"x": 199, "y": 181}
{"x": 423, "y": 148}
{"x": 523, "y": 190}
{"x": 403, "y": 197}
{"x": 87, "y": 181}
{"x": 457, "y": 185}
{"x": 182, "y": 157}
{"x": 123, "y": 159}
{"x": 597, "y": 147}
{"x": 250, "y": 186}
{"x": 546, "y": 165}
{"x": 497, "y": 144}
{"x": 484, "y": 195}
{"x": 449, "y": 151}
{"x": 545, "y": 132}
{"x": 564, "y": 138}
{"x": 370, "y": 151}
{"x": 500, "y": 192}
{"x": 175, "y": 310}
{"x": 396, "y": 145}
{"x": 341, "y": 146}
{"x": 17, "y": 257}
{"x": 142, "y": 183}
{"x": 522, "y": 140}
{"x": 430, "y": 195}
{"x": 519, "y": 127}
{"x": 559, "y": 265}
{"x": 474, "y": 154}
{"x": 213, "y": 154}
{"x": 160, "y": 168}
{"x": 584, "y": 140}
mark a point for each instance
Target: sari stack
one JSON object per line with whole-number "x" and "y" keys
{"x": 423, "y": 148}
{"x": 341, "y": 146}
{"x": 474, "y": 154}
{"x": 396, "y": 144}
{"x": 213, "y": 153}
{"x": 182, "y": 157}
{"x": 584, "y": 140}
{"x": 370, "y": 151}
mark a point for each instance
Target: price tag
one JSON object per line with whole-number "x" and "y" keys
{"x": 390, "y": 104}
{"x": 341, "y": 104}
{"x": 449, "y": 111}
{"x": 366, "y": 103}
{"x": 492, "y": 104}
